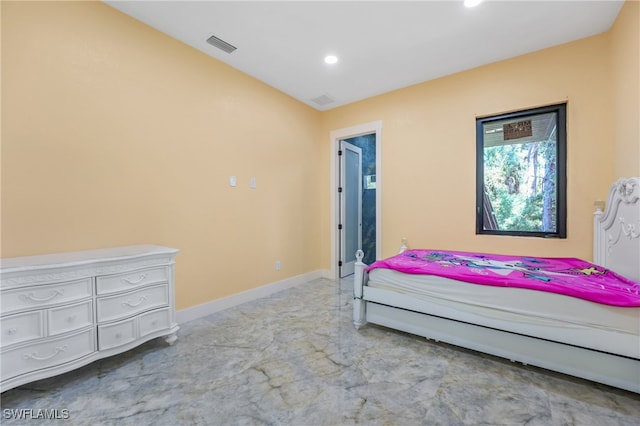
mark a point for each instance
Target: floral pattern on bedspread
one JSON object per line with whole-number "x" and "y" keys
{"x": 568, "y": 276}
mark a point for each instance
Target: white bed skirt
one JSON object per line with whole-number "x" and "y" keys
{"x": 612, "y": 370}
{"x": 533, "y": 313}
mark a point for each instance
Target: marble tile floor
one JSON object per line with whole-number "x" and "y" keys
{"x": 294, "y": 358}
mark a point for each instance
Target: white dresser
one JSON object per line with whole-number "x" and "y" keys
{"x": 61, "y": 311}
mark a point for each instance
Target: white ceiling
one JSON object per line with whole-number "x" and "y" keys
{"x": 381, "y": 45}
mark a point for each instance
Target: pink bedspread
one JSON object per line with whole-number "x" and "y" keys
{"x": 568, "y": 276}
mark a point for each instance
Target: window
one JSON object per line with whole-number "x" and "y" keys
{"x": 521, "y": 173}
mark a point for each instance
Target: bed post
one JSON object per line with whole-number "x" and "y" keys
{"x": 403, "y": 246}
{"x": 359, "y": 305}
{"x": 598, "y": 237}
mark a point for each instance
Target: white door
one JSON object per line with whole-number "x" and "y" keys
{"x": 350, "y": 226}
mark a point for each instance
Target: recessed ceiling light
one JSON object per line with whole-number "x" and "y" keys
{"x": 472, "y": 3}
{"x": 330, "y": 59}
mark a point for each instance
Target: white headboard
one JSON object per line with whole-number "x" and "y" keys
{"x": 616, "y": 231}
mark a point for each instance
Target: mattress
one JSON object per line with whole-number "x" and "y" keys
{"x": 550, "y": 316}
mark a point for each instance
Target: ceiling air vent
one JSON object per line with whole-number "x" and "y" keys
{"x": 322, "y": 100}
{"x": 221, "y": 44}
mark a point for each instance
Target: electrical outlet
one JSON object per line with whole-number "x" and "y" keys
{"x": 278, "y": 265}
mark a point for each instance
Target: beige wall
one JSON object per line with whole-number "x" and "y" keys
{"x": 114, "y": 134}
{"x": 625, "y": 48}
{"x": 428, "y": 152}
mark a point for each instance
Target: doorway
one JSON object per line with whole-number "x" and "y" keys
{"x": 367, "y": 138}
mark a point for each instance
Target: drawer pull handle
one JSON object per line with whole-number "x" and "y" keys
{"x": 133, "y": 281}
{"x": 35, "y": 356}
{"x": 12, "y": 331}
{"x": 132, "y": 304}
{"x": 33, "y": 298}
{"x": 71, "y": 318}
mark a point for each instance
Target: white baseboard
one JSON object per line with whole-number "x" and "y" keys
{"x": 199, "y": 311}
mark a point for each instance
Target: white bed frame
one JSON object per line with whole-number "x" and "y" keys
{"x": 616, "y": 246}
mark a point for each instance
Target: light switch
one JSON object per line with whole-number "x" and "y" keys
{"x": 253, "y": 183}
{"x": 233, "y": 181}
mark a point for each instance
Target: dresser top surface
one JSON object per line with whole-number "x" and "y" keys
{"x": 13, "y": 264}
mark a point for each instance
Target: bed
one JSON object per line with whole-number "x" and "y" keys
{"x": 560, "y": 332}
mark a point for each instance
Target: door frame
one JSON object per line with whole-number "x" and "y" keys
{"x": 335, "y": 137}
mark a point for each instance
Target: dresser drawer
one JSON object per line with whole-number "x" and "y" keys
{"x": 133, "y": 302}
{"x": 116, "y": 334}
{"x": 21, "y": 327}
{"x": 41, "y": 296}
{"x": 131, "y": 280}
{"x": 153, "y": 321}
{"x": 69, "y": 318}
{"x": 46, "y": 353}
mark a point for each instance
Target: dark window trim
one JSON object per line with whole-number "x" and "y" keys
{"x": 561, "y": 171}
